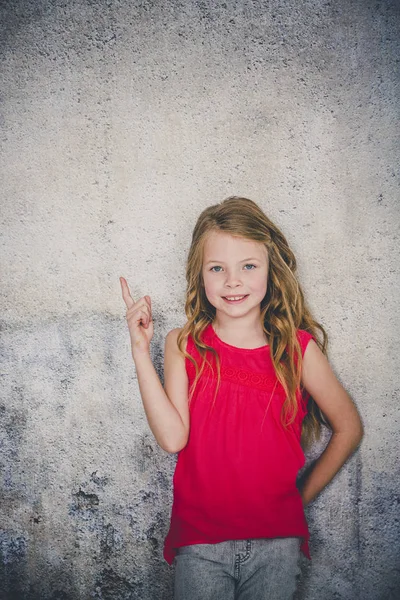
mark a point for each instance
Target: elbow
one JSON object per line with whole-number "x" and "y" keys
{"x": 357, "y": 435}
{"x": 174, "y": 446}
{"x": 173, "y": 449}
{"x": 351, "y": 436}
{"x": 360, "y": 433}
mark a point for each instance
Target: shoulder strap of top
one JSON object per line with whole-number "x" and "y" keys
{"x": 194, "y": 353}
{"x": 304, "y": 337}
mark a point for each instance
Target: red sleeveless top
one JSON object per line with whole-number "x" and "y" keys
{"x": 236, "y": 476}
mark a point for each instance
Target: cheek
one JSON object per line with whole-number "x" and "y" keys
{"x": 206, "y": 283}
{"x": 262, "y": 287}
{"x": 210, "y": 287}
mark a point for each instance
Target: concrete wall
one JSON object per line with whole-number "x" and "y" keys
{"x": 121, "y": 121}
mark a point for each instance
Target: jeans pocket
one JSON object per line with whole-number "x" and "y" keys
{"x": 201, "y": 550}
{"x": 191, "y": 549}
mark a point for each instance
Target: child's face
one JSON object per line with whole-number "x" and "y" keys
{"x": 234, "y": 267}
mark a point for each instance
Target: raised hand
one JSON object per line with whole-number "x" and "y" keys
{"x": 140, "y": 322}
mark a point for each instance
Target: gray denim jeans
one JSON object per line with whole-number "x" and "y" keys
{"x": 256, "y": 569}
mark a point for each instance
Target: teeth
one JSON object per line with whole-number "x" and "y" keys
{"x": 234, "y": 297}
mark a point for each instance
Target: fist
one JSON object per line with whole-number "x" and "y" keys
{"x": 139, "y": 319}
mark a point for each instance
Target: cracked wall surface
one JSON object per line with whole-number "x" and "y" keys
{"x": 120, "y": 122}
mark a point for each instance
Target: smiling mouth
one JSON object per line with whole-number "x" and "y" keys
{"x": 235, "y": 299}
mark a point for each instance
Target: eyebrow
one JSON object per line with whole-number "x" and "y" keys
{"x": 222, "y": 262}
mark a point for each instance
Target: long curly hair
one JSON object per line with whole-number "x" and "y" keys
{"x": 283, "y": 310}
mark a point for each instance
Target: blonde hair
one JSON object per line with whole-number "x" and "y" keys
{"x": 283, "y": 310}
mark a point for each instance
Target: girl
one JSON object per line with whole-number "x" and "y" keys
{"x": 246, "y": 388}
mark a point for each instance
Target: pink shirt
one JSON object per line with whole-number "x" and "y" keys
{"x": 236, "y": 477}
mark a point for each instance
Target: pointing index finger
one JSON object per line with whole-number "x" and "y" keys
{"x": 126, "y": 293}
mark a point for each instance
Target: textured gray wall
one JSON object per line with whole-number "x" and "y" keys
{"x": 121, "y": 121}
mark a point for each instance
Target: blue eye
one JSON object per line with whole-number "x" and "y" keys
{"x": 247, "y": 265}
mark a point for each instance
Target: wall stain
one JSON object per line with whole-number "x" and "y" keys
{"x": 110, "y": 541}
{"x": 100, "y": 481}
{"x": 84, "y": 502}
{"x": 111, "y": 586}
{"x": 13, "y": 565}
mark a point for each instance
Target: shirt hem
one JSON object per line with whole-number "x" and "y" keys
{"x": 169, "y": 553}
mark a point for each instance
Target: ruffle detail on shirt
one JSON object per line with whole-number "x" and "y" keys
{"x": 249, "y": 378}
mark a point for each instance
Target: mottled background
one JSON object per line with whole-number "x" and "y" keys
{"x": 120, "y": 122}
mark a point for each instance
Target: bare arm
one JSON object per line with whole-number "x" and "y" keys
{"x": 320, "y": 381}
{"x": 164, "y": 419}
{"x": 166, "y": 410}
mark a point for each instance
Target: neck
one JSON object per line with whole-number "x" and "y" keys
{"x": 239, "y": 331}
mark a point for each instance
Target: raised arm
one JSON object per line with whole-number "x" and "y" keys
{"x": 166, "y": 410}
{"x": 320, "y": 381}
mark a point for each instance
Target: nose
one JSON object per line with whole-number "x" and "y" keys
{"x": 232, "y": 280}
